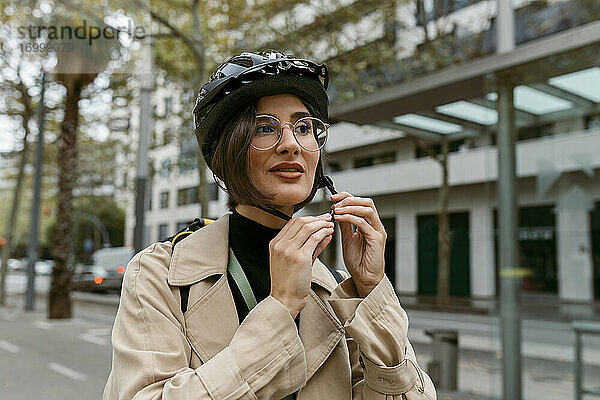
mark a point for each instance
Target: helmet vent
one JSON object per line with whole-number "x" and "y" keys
{"x": 243, "y": 61}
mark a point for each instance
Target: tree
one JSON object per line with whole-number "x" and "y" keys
{"x": 75, "y": 70}
{"x": 444, "y": 235}
{"x": 26, "y": 113}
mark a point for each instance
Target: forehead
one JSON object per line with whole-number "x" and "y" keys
{"x": 280, "y": 105}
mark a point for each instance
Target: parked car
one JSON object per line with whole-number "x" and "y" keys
{"x": 97, "y": 278}
{"x": 15, "y": 265}
{"x": 113, "y": 257}
{"x": 44, "y": 267}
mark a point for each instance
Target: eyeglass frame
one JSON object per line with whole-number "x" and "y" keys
{"x": 280, "y": 133}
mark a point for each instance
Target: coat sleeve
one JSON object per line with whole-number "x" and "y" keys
{"x": 151, "y": 355}
{"x": 383, "y": 361}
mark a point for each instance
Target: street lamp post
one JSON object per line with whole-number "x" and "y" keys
{"x": 35, "y": 207}
{"x": 147, "y": 80}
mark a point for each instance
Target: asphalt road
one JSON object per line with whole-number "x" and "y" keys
{"x": 71, "y": 359}
{"x": 54, "y": 359}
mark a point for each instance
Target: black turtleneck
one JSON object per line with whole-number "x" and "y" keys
{"x": 249, "y": 241}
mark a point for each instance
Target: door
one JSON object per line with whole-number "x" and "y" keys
{"x": 427, "y": 249}
{"x": 390, "y": 248}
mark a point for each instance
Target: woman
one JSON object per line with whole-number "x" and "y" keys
{"x": 262, "y": 317}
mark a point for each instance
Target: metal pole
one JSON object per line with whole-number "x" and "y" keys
{"x": 147, "y": 80}
{"x": 35, "y": 207}
{"x": 578, "y": 381}
{"x": 509, "y": 268}
{"x": 505, "y": 24}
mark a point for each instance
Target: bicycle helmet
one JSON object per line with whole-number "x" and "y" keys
{"x": 247, "y": 77}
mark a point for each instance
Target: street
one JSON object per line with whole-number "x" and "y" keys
{"x": 70, "y": 359}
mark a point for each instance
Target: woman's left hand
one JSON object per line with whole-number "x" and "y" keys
{"x": 364, "y": 249}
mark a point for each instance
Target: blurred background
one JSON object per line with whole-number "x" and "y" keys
{"x": 473, "y": 124}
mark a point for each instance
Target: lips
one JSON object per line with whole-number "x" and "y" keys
{"x": 288, "y": 167}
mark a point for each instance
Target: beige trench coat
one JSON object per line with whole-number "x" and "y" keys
{"x": 346, "y": 347}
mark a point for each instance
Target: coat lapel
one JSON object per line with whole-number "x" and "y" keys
{"x": 200, "y": 260}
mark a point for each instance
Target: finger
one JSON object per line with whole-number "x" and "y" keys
{"x": 293, "y": 225}
{"x": 355, "y": 201}
{"x": 359, "y": 222}
{"x": 308, "y": 230}
{"x": 311, "y": 243}
{"x": 368, "y": 213}
{"x": 322, "y": 246}
{"x": 339, "y": 196}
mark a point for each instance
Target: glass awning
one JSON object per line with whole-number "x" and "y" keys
{"x": 428, "y": 124}
{"x": 470, "y": 112}
{"x": 584, "y": 83}
{"x": 562, "y": 95}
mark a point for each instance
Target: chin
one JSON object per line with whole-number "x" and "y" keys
{"x": 290, "y": 198}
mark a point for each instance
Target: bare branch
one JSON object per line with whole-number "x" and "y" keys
{"x": 174, "y": 30}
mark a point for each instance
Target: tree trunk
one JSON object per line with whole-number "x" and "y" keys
{"x": 14, "y": 210}
{"x": 199, "y": 50}
{"x": 443, "y": 284}
{"x": 59, "y": 301}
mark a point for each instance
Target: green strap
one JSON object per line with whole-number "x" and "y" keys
{"x": 241, "y": 281}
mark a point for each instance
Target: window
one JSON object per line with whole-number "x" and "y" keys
{"x": 437, "y": 148}
{"x": 186, "y": 164}
{"x": 162, "y": 231}
{"x": 375, "y": 160}
{"x": 187, "y": 196}
{"x": 164, "y": 200}
{"x": 334, "y": 166}
{"x": 181, "y": 225}
{"x": 165, "y": 168}
{"x": 592, "y": 122}
{"x": 214, "y": 191}
{"x": 536, "y": 131}
{"x": 168, "y": 105}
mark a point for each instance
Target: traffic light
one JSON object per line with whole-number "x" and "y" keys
{"x": 2, "y": 241}
{"x": 46, "y": 209}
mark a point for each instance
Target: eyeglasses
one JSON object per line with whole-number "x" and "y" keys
{"x": 310, "y": 133}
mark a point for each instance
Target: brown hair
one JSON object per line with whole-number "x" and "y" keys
{"x": 230, "y": 161}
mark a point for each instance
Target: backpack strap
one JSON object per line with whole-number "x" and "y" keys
{"x": 339, "y": 274}
{"x": 193, "y": 226}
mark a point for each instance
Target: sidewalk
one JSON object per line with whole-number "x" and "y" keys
{"x": 533, "y": 306}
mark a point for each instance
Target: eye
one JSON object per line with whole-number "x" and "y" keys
{"x": 266, "y": 126}
{"x": 264, "y": 129}
{"x": 303, "y": 127}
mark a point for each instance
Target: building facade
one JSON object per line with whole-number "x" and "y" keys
{"x": 375, "y": 148}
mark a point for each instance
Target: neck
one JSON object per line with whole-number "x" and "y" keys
{"x": 262, "y": 217}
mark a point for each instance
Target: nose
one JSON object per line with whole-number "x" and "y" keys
{"x": 288, "y": 142}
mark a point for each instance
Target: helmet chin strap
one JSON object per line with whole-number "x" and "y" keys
{"x": 275, "y": 212}
{"x": 324, "y": 182}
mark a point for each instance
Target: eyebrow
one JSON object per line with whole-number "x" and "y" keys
{"x": 300, "y": 114}
{"x": 295, "y": 116}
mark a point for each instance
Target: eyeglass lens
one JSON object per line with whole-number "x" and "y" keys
{"x": 311, "y": 133}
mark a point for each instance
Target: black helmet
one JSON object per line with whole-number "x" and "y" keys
{"x": 244, "y": 78}
{"x": 247, "y": 77}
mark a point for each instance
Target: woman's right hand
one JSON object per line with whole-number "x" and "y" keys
{"x": 292, "y": 253}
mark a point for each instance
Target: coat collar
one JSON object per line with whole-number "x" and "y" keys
{"x": 206, "y": 252}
